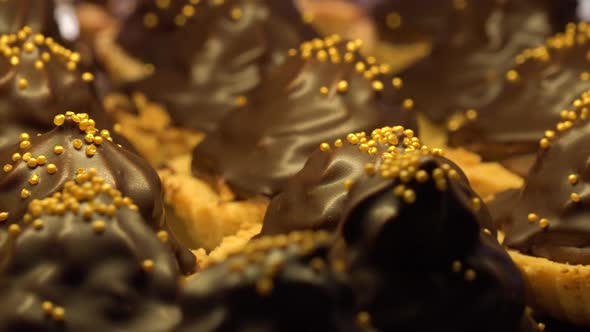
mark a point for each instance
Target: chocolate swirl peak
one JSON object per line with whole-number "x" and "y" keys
{"x": 315, "y": 197}
{"x": 284, "y": 283}
{"x": 545, "y": 80}
{"x": 325, "y": 90}
{"x": 40, "y": 165}
{"x": 549, "y": 216}
{"x": 39, "y": 79}
{"x": 422, "y": 250}
{"x": 85, "y": 260}
{"x": 465, "y": 69}
{"x": 37, "y": 15}
{"x": 234, "y": 43}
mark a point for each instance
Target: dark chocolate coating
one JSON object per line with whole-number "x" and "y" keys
{"x": 315, "y": 197}
{"x": 400, "y": 21}
{"x": 38, "y": 15}
{"x": 123, "y": 169}
{"x": 48, "y": 90}
{"x": 100, "y": 279}
{"x": 281, "y": 286}
{"x": 548, "y": 194}
{"x": 256, "y": 149}
{"x": 466, "y": 67}
{"x": 432, "y": 263}
{"x": 220, "y": 54}
{"x": 517, "y": 118}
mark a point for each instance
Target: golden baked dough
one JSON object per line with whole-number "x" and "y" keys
{"x": 209, "y": 215}
{"x": 151, "y": 131}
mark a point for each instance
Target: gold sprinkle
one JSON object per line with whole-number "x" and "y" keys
{"x": 77, "y": 144}
{"x": 3, "y": 216}
{"x": 32, "y": 163}
{"x": 59, "y": 120}
{"x": 14, "y": 60}
{"x": 24, "y": 193}
{"x": 23, "y": 84}
{"x": 148, "y": 265}
{"x": 409, "y": 196}
{"x": 324, "y": 147}
{"x": 348, "y": 184}
{"x": 38, "y": 224}
{"x": 377, "y": 86}
{"x": 34, "y": 179}
{"x": 363, "y": 318}
{"x": 408, "y": 104}
{"x": 47, "y": 307}
{"x": 99, "y": 226}
{"x": 544, "y": 143}
{"x": 471, "y": 115}
{"x": 512, "y": 76}
{"x": 163, "y": 236}
{"x": 87, "y": 77}
{"x": 25, "y": 144}
{"x": 342, "y": 86}
{"x": 470, "y": 275}
{"x": 397, "y": 83}
{"x": 7, "y": 168}
{"x": 16, "y": 156}
{"x": 41, "y": 160}
{"x": 58, "y": 149}
{"x": 572, "y": 179}
{"x": 544, "y": 223}
{"x": 532, "y": 217}
{"x": 264, "y": 286}
{"x": 14, "y": 230}
{"x": 59, "y": 314}
{"x": 476, "y": 203}
{"x": 456, "y": 266}
{"x": 575, "y": 197}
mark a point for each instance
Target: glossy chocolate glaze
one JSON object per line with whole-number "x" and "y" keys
{"x": 422, "y": 252}
{"x": 39, "y": 166}
{"x": 285, "y": 283}
{"x": 315, "y": 197}
{"x": 545, "y": 81}
{"x": 70, "y": 270}
{"x": 400, "y": 21}
{"x": 466, "y": 67}
{"x": 39, "y": 80}
{"x": 207, "y": 59}
{"x": 549, "y": 217}
{"x": 37, "y": 15}
{"x": 313, "y": 98}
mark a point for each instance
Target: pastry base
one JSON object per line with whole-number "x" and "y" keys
{"x": 477, "y": 171}
{"x": 559, "y": 290}
{"x": 151, "y": 131}
{"x": 210, "y": 215}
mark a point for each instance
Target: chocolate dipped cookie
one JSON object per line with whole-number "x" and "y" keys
{"x": 541, "y": 89}
{"x": 40, "y": 165}
{"x": 324, "y": 91}
{"x": 545, "y": 223}
{"x": 85, "y": 259}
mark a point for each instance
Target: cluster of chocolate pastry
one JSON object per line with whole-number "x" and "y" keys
{"x": 275, "y": 204}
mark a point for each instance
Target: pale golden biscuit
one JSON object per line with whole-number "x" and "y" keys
{"x": 477, "y": 171}
{"x": 559, "y": 289}
{"x": 215, "y": 215}
{"x": 151, "y": 130}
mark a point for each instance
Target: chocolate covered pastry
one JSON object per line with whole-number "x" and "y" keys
{"x": 39, "y": 166}
{"x": 324, "y": 91}
{"x": 284, "y": 283}
{"x": 233, "y": 44}
{"x": 541, "y": 88}
{"x": 477, "y": 45}
{"x": 422, "y": 251}
{"x": 546, "y": 224}
{"x": 41, "y": 78}
{"x": 34, "y": 14}
{"x": 85, "y": 259}
{"x": 315, "y": 197}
